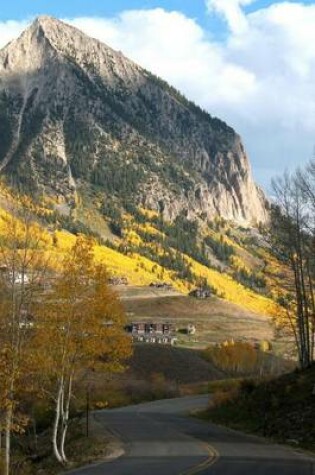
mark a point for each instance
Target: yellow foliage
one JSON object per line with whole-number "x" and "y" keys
{"x": 142, "y": 271}
{"x": 148, "y": 213}
{"x": 133, "y": 238}
{"x": 230, "y": 242}
{"x": 148, "y": 228}
{"x": 238, "y": 263}
{"x": 138, "y": 269}
{"x": 236, "y": 357}
{"x": 235, "y": 292}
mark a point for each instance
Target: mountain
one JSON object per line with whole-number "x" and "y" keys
{"x": 75, "y": 114}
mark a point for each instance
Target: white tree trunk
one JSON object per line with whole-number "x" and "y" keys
{"x": 8, "y": 427}
{"x": 57, "y": 423}
{"x": 65, "y": 422}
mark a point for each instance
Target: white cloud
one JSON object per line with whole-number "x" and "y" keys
{"x": 260, "y": 79}
{"x": 10, "y": 30}
{"x": 174, "y": 47}
{"x": 231, "y": 11}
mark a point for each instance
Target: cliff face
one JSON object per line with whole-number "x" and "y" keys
{"x": 74, "y": 112}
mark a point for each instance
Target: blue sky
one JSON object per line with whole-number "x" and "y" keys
{"x": 251, "y": 63}
{"x": 19, "y": 9}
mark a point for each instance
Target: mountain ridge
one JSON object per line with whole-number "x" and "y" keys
{"x": 78, "y": 112}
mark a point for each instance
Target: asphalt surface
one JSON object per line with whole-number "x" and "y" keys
{"x": 161, "y": 440}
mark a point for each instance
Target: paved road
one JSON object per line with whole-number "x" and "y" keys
{"x": 161, "y": 440}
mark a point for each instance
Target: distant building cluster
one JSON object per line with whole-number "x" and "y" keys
{"x": 160, "y": 333}
{"x": 118, "y": 281}
{"x": 26, "y": 279}
{"x": 191, "y": 329}
{"x": 200, "y": 293}
{"x": 161, "y": 285}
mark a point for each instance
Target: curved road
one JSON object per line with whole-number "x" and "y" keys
{"x": 161, "y": 440}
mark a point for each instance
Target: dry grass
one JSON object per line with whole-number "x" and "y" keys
{"x": 81, "y": 450}
{"x": 216, "y": 320}
{"x": 179, "y": 365}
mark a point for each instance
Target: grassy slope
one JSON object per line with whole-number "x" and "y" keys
{"x": 282, "y": 409}
{"x": 179, "y": 365}
{"x": 215, "y": 319}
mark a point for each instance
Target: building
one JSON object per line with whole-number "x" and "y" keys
{"x": 26, "y": 320}
{"x": 150, "y": 332}
{"x": 118, "y": 280}
{"x": 161, "y": 285}
{"x": 201, "y": 293}
{"x": 19, "y": 278}
{"x": 191, "y": 329}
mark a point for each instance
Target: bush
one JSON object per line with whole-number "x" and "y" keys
{"x": 236, "y": 358}
{"x": 247, "y": 386}
{"x": 221, "y": 398}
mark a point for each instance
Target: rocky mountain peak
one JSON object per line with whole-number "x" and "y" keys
{"x": 47, "y": 20}
{"x": 69, "y": 39}
{"x": 59, "y": 33}
{"x": 77, "y": 113}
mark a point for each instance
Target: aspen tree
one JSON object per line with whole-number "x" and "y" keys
{"x": 82, "y": 328}
{"x": 22, "y": 268}
{"x": 292, "y": 238}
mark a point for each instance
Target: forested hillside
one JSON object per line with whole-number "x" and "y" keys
{"x": 233, "y": 262}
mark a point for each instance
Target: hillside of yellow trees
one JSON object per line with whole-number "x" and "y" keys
{"x": 140, "y": 246}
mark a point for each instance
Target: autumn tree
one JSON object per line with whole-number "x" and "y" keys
{"x": 292, "y": 239}
{"x": 234, "y": 357}
{"x": 22, "y": 266}
{"x": 82, "y": 328}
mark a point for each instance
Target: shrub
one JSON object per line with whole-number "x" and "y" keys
{"x": 236, "y": 358}
{"x": 221, "y": 398}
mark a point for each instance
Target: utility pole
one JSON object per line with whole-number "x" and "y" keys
{"x": 87, "y": 410}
